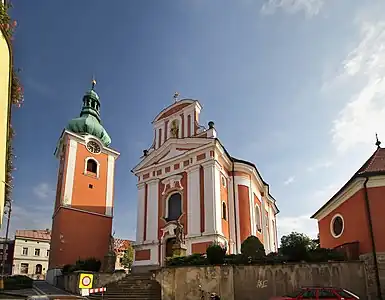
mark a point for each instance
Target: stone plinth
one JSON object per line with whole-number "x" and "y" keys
{"x": 109, "y": 263}
{"x": 179, "y": 250}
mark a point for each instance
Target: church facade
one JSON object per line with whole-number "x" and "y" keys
{"x": 188, "y": 176}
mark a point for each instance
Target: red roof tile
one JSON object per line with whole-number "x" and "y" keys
{"x": 34, "y": 234}
{"x": 120, "y": 244}
{"x": 375, "y": 165}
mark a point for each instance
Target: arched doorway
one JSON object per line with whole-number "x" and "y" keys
{"x": 169, "y": 244}
{"x": 38, "y": 269}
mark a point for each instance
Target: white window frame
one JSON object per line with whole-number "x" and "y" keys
{"x": 260, "y": 222}
{"x": 336, "y": 236}
{"x": 97, "y": 166}
{"x": 22, "y": 251}
{"x": 227, "y": 212}
{"x": 168, "y": 198}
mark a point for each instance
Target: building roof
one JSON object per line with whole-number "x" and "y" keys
{"x": 374, "y": 166}
{"x": 120, "y": 244}
{"x": 34, "y": 234}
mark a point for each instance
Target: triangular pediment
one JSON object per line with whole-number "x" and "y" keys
{"x": 171, "y": 149}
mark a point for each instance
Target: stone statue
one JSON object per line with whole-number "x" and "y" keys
{"x": 111, "y": 245}
{"x": 179, "y": 235}
{"x": 174, "y": 129}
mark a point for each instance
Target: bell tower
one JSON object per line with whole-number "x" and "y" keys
{"x": 83, "y": 210}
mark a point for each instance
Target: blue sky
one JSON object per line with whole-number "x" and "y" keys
{"x": 296, "y": 86}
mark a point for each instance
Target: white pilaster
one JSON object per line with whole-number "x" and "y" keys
{"x": 212, "y": 198}
{"x": 231, "y": 215}
{"x": 217, "y": 199}
{"x": 70, "y": 172}
{"x": 152, "y": 210}
{"x": 110, "y": 185}
{"x": 185, "y": 118}
{"x": 156, "y": 137}
{"x": 140, "y": 213}
{"x": 192, "y": 120}
{"x": 193, "y": 201}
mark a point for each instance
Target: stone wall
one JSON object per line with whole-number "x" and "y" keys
{"x": 70, "y": 282}
{"x": 371, "y": 275}
{"x": 258, "y": 282}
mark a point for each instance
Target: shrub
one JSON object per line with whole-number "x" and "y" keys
{"x": 324, "y": 255}
{"x": 253, "y": 248}
{"x": 190, "y": 260}
{"x": 296, "y": 246}
{"x": 236, "y": 259}
{"x": 216, "y": 254}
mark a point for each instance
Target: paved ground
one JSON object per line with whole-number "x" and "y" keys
{"x": 44, "y": 288}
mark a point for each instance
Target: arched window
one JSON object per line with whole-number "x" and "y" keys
{"x": 224, "y": 211}
{"x": 38, "y": 269}
{"x": 92, "y": 166}
{"x": 174, "y": 207}
{"x": 258, "y": 219}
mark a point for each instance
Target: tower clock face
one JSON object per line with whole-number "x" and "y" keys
{"x": 93, "y": 147}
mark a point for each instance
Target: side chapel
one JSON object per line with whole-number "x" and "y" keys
{"x": 187, "y": 177}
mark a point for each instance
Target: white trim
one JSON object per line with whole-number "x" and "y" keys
{"x": 82, "y": 140}
{"x": 70, "y": 172}
{"x": 172, "y": 119}
{"x": 152, "y": 210}
{"x": 336, "y": 236}
{"x": 140, "y": 213}
{"x": 110, "y": 185}
{"x": 193, "y": 200}
{"x": 97, "y": 166}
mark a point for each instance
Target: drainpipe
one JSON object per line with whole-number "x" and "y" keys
{"x": 378, "y": 284}
{"x": 235, "y": 209}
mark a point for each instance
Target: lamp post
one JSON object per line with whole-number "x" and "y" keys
{"x": 6, "y": 241}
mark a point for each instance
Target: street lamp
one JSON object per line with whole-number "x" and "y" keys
{"x": 9, "y": 202}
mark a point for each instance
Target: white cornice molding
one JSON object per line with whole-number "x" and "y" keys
{"x": 141, "y": 170}
{"x": 239, "y": 166}
{"x": 83, "y": 140}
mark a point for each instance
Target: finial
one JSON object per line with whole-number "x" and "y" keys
{"x": 378, "y": 143}
{"x": 93, "y": 82}
{"x": 176, "y": 96}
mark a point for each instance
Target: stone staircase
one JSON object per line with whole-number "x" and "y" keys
{"x": 131, "y": 287}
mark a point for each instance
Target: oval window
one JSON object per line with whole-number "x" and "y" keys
{"x": 337, "y": 226}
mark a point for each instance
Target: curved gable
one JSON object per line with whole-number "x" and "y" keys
{"x": 174, "y": 108}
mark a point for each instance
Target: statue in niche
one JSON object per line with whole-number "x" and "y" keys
{"x": 174, "y": 129}
{"x": 179, "y": 235}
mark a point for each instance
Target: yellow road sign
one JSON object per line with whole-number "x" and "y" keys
{"x": 85, "y": 281}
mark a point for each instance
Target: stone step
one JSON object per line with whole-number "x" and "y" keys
{"x": 122, "y": 296}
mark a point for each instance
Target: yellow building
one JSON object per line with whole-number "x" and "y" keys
{"x": 5, "y": 104}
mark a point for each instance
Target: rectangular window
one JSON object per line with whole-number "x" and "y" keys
{"x": 24, "y": 268}
{"x": 25, "y": 251}
{"x": 37, "y": 252}
{"x": 47, "y": 252}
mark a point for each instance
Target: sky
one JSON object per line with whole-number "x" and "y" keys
{"x": 295, "y": 86}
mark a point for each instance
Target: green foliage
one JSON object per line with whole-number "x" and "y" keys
{"x": 324, "y": 255}
{"x": 190, "y": 260}
{"x": 296, "y": 246}
{"x": 253, "y": 248}
{"x": 128, "y": 257}
{"x": 17, "y": 282}
{"x": 216, "y": 254}
{"x": 90, "y": 264}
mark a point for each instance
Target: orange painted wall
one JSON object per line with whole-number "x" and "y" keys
{"x": 244, "y": 212}
{"x": 225, "y": 198}
{"x": 355, "y": 224}
{"x": 200, "y": 247}
{"x": 84, "y": 197}
{"x": 84, "y": 235}
{"x": 259, "y": 234}
{"x": 377, "y": 209}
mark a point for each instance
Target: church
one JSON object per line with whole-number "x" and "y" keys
{"x": 188, "y": 177}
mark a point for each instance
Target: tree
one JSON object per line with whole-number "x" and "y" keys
{"x": 128, "y": 257}
{"x": 296, "y": 246}
{"x": 252, "y": 247}
{"x": 216, "y": 254}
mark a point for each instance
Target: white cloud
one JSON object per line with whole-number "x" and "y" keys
{"x": 44, "y": 191}
{"x": 364, "y": 114}
{"x": 289, "y": 180}
{"x": 302, "y": 224}
{"x": 309, "y": 7}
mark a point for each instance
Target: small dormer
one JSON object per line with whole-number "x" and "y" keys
{"x": 179, "y": 120}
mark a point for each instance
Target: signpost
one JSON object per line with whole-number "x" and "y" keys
{"x": 85, "y": 283}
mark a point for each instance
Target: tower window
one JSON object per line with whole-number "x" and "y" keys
{"x": 174, "y": 207}
{"x": 92, "y": 166}
{"x": 258, "y": 219}
{"x": 224, "y": 211}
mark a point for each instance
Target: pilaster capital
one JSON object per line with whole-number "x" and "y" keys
{"x": 193, "y": 168}
{"x": 153, "y": 181}
{"x": 212, "y": 163}
{"x": 141, "y": 185}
